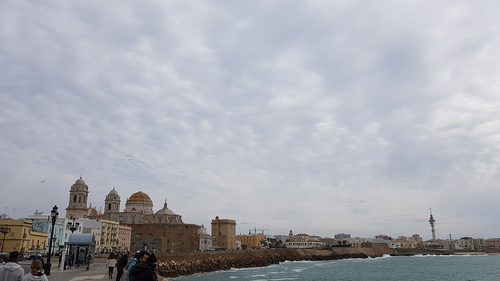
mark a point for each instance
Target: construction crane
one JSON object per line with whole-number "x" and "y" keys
{"x": 255, "y": 231}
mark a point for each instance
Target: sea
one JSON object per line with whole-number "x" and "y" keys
{"x": 420, "y": 267}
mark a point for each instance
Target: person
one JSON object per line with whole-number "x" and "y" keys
{"x": 36, "y": 274}
{"x": 152, "y": 259}
{"x": 12, "y": 271}
{"x": 131, "y": 262}
{"x": 69, "y": 261}
{"x": 110, "y": 264}
{"x": 89, "y": 258}
{"x": 143, "y": 270}
{"x": 60, "y": 259}
{"x": 40, "y": 258}
{"x": 122, "y": 262}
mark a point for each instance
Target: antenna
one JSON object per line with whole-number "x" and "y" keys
{"x": 432, "y": 221}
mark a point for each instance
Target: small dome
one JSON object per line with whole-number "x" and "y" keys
{"x": 139, "y": 196}
{"x": 80, "y": 181}
{"x": 93, "y": 212}
{"x": 165, "y": 210}
{"x": 202, "y": 231}
{"x": 113, "y": 195}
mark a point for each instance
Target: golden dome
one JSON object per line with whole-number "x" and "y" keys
{"x": 139, "y": 196}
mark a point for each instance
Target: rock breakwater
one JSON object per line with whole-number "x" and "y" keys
{"x": 178, "y": 264}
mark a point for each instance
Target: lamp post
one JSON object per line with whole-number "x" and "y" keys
{"x": 73, "y": 225}
{"x": 4, "y": 230}
{"x": 53, "y": 216}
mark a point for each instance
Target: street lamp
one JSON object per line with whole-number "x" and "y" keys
{"x": 4, "y": 230}
{"x": 73, "y": 225}
{"x": 53, "y": 216}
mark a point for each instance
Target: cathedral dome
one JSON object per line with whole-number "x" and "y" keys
{"x": 139, "y": 196}
{"x": 165, "y": 210}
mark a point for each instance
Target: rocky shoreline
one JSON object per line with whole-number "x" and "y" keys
{"x": 199, "y": 262}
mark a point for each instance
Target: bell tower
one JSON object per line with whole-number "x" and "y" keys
{"x": 112, "y": 202}
{"x": 78, "y": 194}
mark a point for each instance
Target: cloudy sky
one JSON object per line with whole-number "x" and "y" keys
{"x": 319, "y": 117}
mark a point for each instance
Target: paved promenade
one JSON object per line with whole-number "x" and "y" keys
{"x": 97, "y": 271}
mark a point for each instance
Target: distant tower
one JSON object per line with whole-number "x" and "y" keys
{"x": 112, "y": 202}
{"x": 77, "y": 206}
{"x": 224, "y": 231}
{"x": 432, "y": 221}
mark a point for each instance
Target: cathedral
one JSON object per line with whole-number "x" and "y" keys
{"x": 138, "y": 208}
{"x": 162, "y": 230}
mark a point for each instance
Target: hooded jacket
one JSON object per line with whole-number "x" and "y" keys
{"x": 142, "y": 271}
{"x": 38, "y": 277}
{"x": 11, "y": 271}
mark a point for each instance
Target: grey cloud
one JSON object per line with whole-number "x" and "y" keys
{"x": 269, "y": 108}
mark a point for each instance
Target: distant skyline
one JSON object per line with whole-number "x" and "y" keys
{"x": 318, "y": 117}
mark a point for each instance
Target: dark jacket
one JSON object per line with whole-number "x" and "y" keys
{"x": 123, "y": 261}
{"x": 41, "y": 259}
{"x": 143, "y": 271}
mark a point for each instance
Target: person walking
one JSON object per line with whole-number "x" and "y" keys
{"x": 131, "y": 262}
{"x": 12, "y": 271}
{"x": 36, "y": 274}
{"x": 122, "y": 262}
{"x": 89, "y": 259}
{"x": 60, "y": 259}
{"x": 40, "y": 258}
{"x": 110, "y": 264}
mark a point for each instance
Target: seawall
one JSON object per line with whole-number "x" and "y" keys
{"x": 187, "y": 263}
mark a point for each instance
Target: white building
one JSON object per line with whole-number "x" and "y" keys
{"x": 303, "y": 241}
